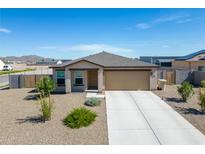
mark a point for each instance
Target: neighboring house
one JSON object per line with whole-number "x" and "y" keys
{"x": 178, "y": 69}
{"x": 51, "y": 61}
{"x": 162, "y": 61}
{"x": 104, "y": 71}
{"x": 193, "y": 61}
{"x": 61, "y": 61}
{"x": 1, "y": 64}
{"x": 165, "y": 66}
{"x": 190, "y": 68}
{"x": 46, "y": 62}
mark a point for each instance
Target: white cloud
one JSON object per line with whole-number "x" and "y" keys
{"x": 165, "y": 46}
{"x": 143, "y": 26}
{"x": 169, "y": 18}
{"x": 98, "y": 47}
{"x": 48, "y": 47}
{"x": 172, "y": 18}
{"x": 91, "y": 48}
{"x": 4, "y": 30}
{"x": 184, "y": 21}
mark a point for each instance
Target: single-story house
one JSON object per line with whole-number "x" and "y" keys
{"x": 104, "y": 71}
{"x": 1, "y": 64}
{"x": 193, "y": 61}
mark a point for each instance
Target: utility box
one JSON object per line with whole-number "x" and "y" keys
{"x": 161, "y": 84}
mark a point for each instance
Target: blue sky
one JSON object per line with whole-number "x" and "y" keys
{"x": 73, "y": 33}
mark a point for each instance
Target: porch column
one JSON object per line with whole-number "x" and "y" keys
{"x": 67, "y": 80}
{"x": 100, "y": 79}
{"x": 86, "y": 79}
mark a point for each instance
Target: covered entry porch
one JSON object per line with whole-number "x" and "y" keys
{"x": 80, "y": 76}
{"x": 83, "y": 80}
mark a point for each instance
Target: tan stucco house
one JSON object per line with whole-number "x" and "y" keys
{"x": 104, "y": 71}
{"x": 190, "y": 62}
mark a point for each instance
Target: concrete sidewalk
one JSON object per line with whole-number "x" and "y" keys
{"x": 141, "y": 117}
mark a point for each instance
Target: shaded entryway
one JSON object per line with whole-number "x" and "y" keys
{"x": 92, "y": 77}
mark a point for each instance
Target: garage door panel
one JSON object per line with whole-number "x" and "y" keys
{"x": 127, "y": 80}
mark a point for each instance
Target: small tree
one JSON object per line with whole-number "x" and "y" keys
{"x": 46, "y": 108}
{"x": 203, "y": 83}
{"x": 185, "y": 90}
{"x": 45, "y": 86}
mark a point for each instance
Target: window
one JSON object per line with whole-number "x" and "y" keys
{"x": 166, "y": 64}
{"x": 201, "y": 68}
{"x": 60, "y": 78}
{"x": 78, "y": 75}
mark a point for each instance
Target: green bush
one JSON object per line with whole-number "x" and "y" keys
{"x": 92, "y": 102}
{"x": 80, "y": 117}
{"x": 185, "y": 90}
{"x": 45, "y": 86}
{"x": 46, "y": 108}
{"x": 202, "y": 99}
{"x": 203, "y": 83}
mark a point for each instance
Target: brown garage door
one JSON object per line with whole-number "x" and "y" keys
{"x": 127, "y": 80}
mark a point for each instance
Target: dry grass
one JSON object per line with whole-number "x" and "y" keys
{"x": 21, "y": 124}
{"x": 190, "y": 110}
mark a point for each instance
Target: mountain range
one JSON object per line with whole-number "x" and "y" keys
{"x": 25, "y": 59}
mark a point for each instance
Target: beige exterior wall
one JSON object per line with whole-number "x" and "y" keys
{"x": 67, "y": 80}
{"x": 100, "y": 80}
{"x": 180, "y": 65}
{"x": 195, "y": 65}
{"x": 127, "y": 80}
{"x": 83, "y": 65}
{"x": 187, "y": 65}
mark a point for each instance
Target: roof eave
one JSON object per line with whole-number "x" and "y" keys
{"x": 132, "y": 66}
{"x": 71, "y": 63}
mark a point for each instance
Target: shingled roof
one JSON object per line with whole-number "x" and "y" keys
{"x": 106, "y": 59}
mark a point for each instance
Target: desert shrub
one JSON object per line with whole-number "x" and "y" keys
{"x": 46, "y": 108}
{"x": 92, "y": 102}
{"x": 185, "y": 90}
{"x": 203, "y": 83}
{"x": 202, "y": 99}
{"x": 80, "y": 117}
{"x": 45, "y": 86}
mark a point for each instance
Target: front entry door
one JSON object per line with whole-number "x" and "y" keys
{"x": 92, "y": 80}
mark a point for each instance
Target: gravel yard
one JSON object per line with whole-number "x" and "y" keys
{"x": 20, "y": 124}
{"x": 190, "y": 111}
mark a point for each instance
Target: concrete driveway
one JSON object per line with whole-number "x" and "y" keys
{"x": 141, "y": 117}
